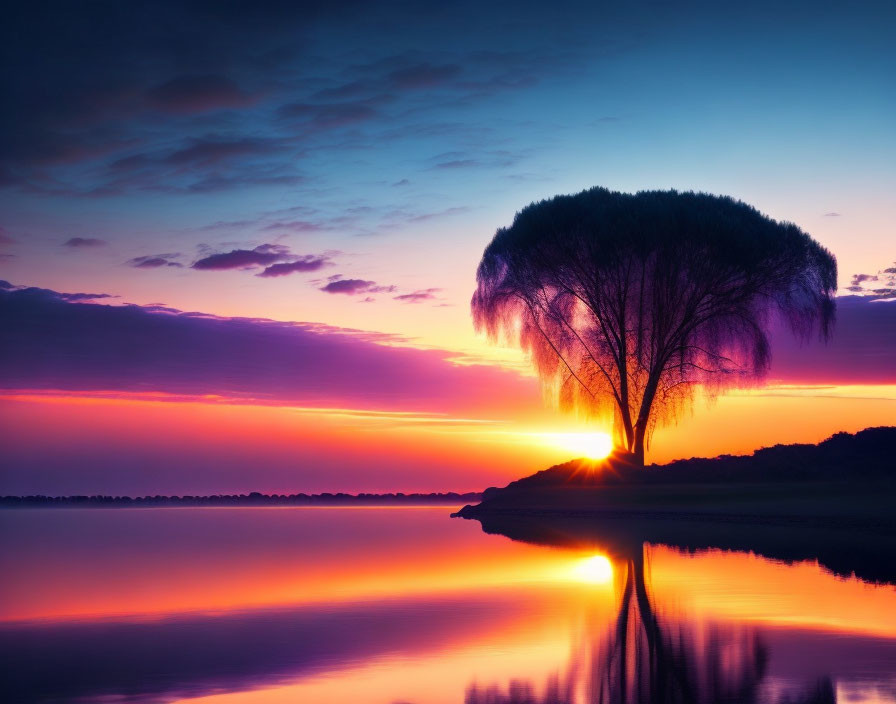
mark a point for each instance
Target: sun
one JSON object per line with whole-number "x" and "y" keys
{"x": 593, "y": 446}
{"x": 595, "y": 570}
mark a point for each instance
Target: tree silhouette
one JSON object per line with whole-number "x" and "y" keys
{"x": 642, "y": 660}
{"x": 630, "y": 303}
{"x": 647, "y": 662}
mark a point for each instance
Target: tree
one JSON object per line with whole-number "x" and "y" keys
{"x": 633, "y": 302}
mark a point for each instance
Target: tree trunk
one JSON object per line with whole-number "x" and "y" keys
{"x": 644, "y": 414}
{"x": 629, "y": 432}
{"x": 638, "y": 446}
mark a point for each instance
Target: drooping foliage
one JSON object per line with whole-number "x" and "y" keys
{"x": 632, "y": 302}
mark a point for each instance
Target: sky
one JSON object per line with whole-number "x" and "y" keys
{"x": 239, "y": 239}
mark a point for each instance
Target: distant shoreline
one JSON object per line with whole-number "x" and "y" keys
{"x": 255, "y": 499}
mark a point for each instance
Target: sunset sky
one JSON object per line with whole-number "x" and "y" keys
{"x": 238, "y": 240}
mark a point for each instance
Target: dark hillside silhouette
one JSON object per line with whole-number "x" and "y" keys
{"x": 868, "y": 454}
{"x": 834, "y": 502}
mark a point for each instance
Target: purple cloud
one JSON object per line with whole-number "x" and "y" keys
{"x": 262, "y": 255}
{"x": 860, "y": 351}
{"x": 352, "y": 287}
{"x": 56, "y": 341}
{"x": 832, "y": 215}
{"x": 84, "y": 297}
{"x": 33, "y": 292}
{"x": 308, "y": 262}
{"x": 154, "y": 261}
{"x": 885, "y": 281}
{"x": 84, "y": 242}
{"x": 426, "y": 294}
{"x": 277, "y": 259}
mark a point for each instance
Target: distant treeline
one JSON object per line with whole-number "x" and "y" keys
{"x": 253, "y": 499}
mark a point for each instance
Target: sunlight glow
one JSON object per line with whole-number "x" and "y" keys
{"x": 596, "y": 569}
{"x": 594, "y": 446}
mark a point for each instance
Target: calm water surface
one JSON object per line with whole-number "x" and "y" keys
{"x": 227, "y": 606}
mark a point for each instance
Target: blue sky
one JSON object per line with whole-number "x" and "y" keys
{"x": 396, "y": 138}
{"x": 346, "y": 163}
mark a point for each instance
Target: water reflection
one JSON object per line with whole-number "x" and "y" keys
{"x": 410, "y": 606}
{"x": 650, "y": 656}
{"x": 193, "y": 655}
{"x": 644, "y": 658}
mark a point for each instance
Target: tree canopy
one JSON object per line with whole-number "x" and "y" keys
{"x": 630, "y": 303}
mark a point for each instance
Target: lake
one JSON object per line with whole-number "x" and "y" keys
{"x": 389, "y": 605}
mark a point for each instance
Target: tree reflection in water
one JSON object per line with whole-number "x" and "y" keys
{"x": 644, "y": 660}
